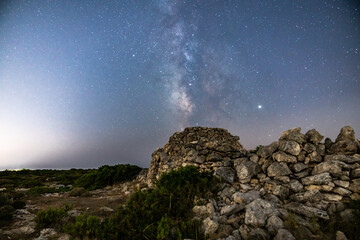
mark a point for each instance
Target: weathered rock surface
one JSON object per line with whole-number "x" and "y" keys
{"x": 298, "y": 175}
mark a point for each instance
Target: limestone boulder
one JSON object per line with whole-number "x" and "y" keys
{"x": 293, "y": 134}
{"x": 226, "y": 173}
{"x": 346, "y": 133}
{"x": 290, "y": 147}
{"x": 283, "y": 157}
{"x": 278, "y": 169}
{"x": 319, "y": 179}
{"x": 246, "y": 170}
{"x": 313, "y": 136}
{"x": 258, "y": 211}
{"x": 267, "y": 151}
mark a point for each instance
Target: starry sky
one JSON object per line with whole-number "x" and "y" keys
{"x": 85, "y": 83}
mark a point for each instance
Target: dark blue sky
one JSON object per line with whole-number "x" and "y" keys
{"x": 87, "y": 83}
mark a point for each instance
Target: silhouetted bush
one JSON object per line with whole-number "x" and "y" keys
{"x": 107, "y": 176}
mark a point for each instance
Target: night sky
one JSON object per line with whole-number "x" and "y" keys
{"x": 88, "y": 83}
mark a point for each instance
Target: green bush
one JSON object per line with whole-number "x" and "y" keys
{"x": 32, "y": 183}
{"x": 107, "y": 176}
{"x": 50, "y": 218}
{"x": 84, "y": 226}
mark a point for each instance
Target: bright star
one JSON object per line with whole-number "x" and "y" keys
{"x": 259, "y": 107}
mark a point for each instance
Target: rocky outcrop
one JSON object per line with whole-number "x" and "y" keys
{"x": 210, "y": 149}
{"x": 294, "y": 179}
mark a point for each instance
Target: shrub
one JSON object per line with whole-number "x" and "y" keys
{"x": 84, "y": 226}
{"x": 50, "y": 218}
{"x": 107, "y": 176}
{"x": 32, "y": 183}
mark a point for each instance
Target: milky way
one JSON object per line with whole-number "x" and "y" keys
{"x": 88, "y": 83}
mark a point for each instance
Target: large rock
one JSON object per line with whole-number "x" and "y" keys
{"x": 355, "y": 185}
{"x": 295, "y": 186}
{"x": 344, "y": 147}
{"x": 204, "y": 147}
{"x": 210, "y": 226}
{"x": 319, "y": 179}
{"x": 313, "y": 136}
{"x": 290, "y": 147}
{"x": 231, "y": 209}
{"x": 298, "y": 167}
{"x": 278, "y": 169}
{"x": 284, "y": 234}
{"x": 246, "y": 170}
{"x": 343, "y": 158}
{"x": 307, "y": 211}
{"x": 274, "y": 224}
{"x": 246, "y": 197}
{"x": 346, "y": 133}
{"x": 328, "y": 166}
{"x": 268, "y": 150}
{"x": 226, "y": 173}
{"x": 258, "y": 211}
{"x": 283, "y": 157}
{"x": 293, "y": 134}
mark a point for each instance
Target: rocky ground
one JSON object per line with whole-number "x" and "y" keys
{"x": 100, "y": 202}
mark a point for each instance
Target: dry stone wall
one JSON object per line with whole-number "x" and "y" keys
{"x": 300, "y": 174}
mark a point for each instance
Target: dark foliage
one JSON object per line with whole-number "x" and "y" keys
{"x": 107, "y": 176}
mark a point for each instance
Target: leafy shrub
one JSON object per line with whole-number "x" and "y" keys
{"x": 256, "y": 149}
{"x": 84, "y": 225}
{"x": 107, "y": 176}
{"x": 50, "y": 218}
{"x": 32, "y": 183}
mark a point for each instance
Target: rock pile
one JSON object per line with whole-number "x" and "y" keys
{"x": 207, "y": 148}
{"x": 264, "y": 194}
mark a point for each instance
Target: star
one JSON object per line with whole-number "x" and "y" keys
{"x": 259, "y": 106}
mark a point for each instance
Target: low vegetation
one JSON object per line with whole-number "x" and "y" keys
{"x": 19, "y": 185}
{"x": 107, "y": 176}
{"x": 160, "y": 213}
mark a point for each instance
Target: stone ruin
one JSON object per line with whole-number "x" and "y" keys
{"x": 298, "y": 175}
